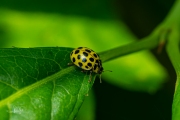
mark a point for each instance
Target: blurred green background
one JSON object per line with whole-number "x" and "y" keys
{"x": 141, "y": 85}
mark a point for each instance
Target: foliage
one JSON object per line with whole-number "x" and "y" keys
{"x": 37, "y": 80}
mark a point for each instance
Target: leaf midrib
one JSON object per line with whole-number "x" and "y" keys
{"x": 35, "y": 85}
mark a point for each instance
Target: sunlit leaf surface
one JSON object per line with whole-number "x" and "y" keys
{"x": 37, "y": 84}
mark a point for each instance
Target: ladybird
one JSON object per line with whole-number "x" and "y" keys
{"x": 87, "y": 60}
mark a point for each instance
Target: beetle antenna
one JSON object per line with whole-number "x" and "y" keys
{"x": 106, "y": 71}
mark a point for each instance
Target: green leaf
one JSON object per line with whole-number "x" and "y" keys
{"x": 37, "y": 84}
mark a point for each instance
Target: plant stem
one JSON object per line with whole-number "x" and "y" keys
{"x": 158, "y": 37}
{"x": 146, "y": 43}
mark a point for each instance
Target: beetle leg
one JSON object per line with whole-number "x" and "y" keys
{"x": 100, "y": 78}
{"x": 90, "y": 76}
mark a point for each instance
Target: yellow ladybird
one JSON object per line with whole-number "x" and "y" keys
{"x": 86, "y": 59}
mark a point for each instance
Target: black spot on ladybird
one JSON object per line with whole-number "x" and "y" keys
{"x": 101, "y": 69}
{"x": 87, "y": 67}
{"x": 84, "y": 60}
{"x": 79, "y": 56}
{"x": 100, "y": 62}
{"x": 76, "y": 52}
{"x": 85, "y": 54}
{"x": 95, "y": 66}
{"x": 97, "y": 61}
{"x": 80, "y": 47}
{"x": 87, "y": 50}
{"x": 73, "y": 59}
{"x": 80, "y": 64}
{"x": 91, "y": 59}
{"x": 89, "y": 64}
{"x": 99, "y": 65}
{"x": 95, "y": 55}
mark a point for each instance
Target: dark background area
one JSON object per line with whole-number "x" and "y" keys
{"x": 141, "y": 17}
